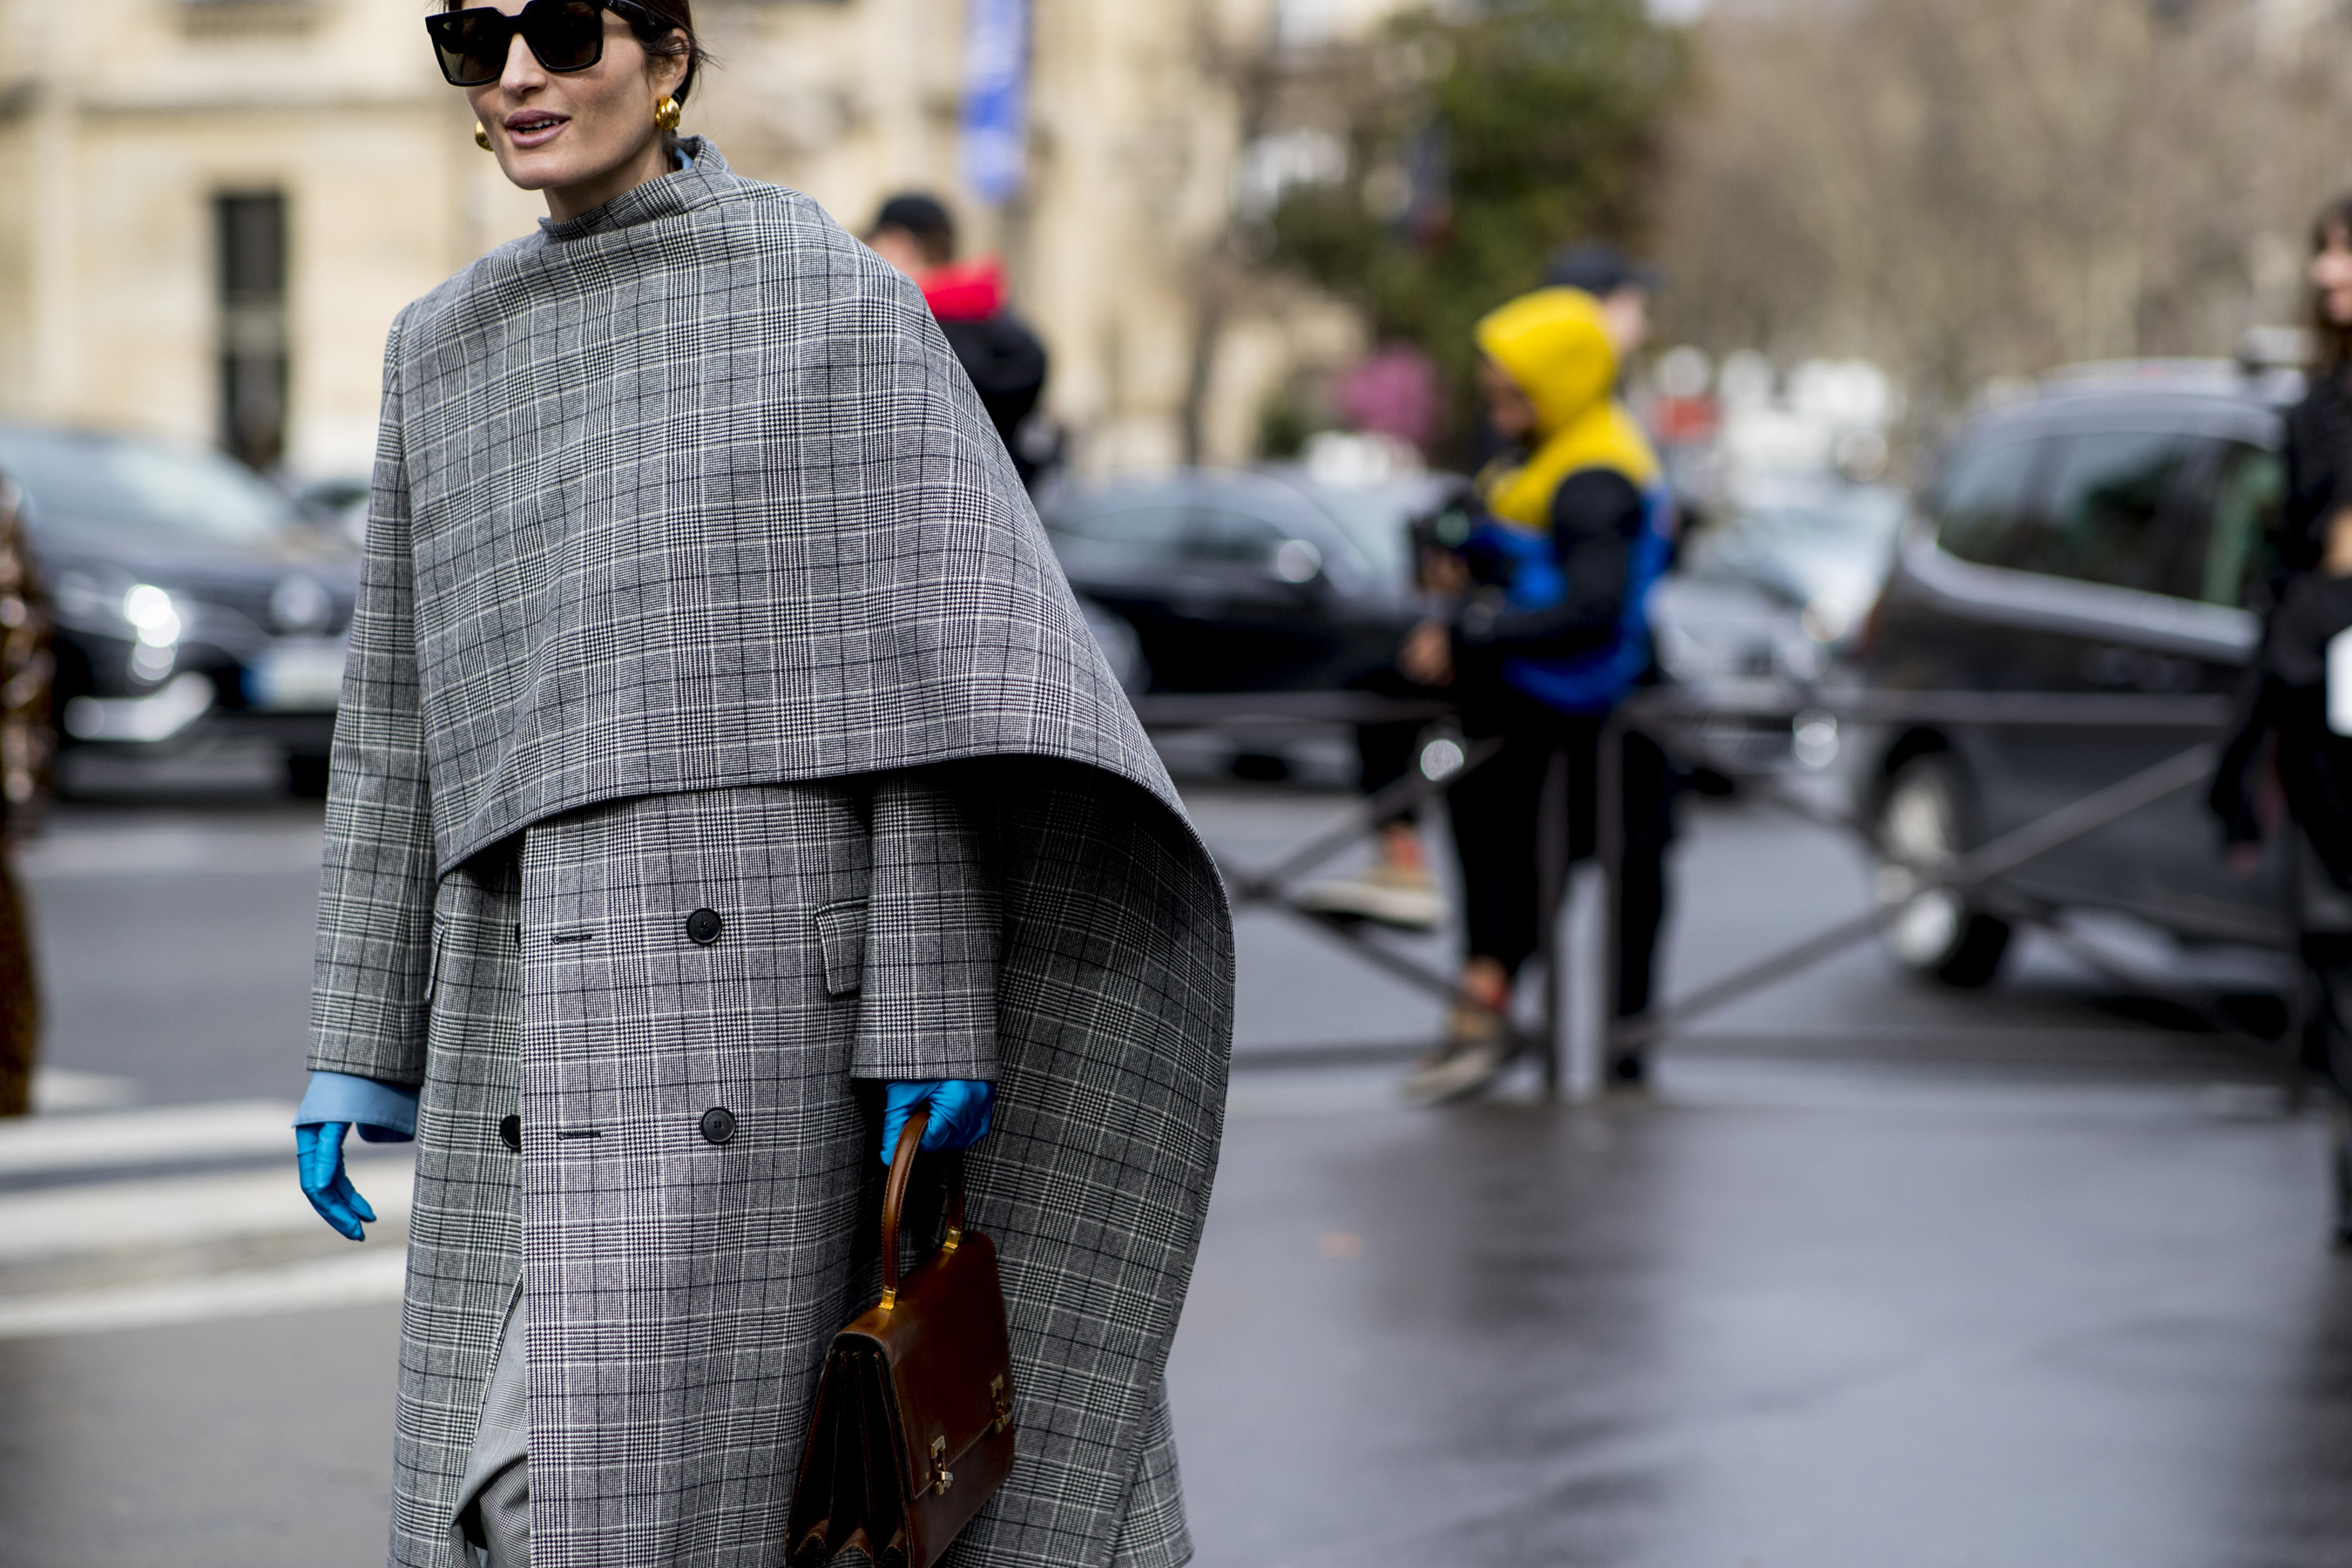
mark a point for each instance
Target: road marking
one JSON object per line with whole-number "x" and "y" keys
{"x": 106, "y": 1216}
{"x": 365, "y": 1278}
{"x": 146, "y": 1137}
{"x": 56, "y": 1090}
{"x": 168, "y": 850}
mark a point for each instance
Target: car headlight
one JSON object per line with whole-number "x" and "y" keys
{"x": 151, "y": 613}
{"x": 1825, "y": 620}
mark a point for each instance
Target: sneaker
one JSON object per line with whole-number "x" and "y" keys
{"x": 1477, "y": 1049}
{"x": 1400, "y": 896}
{"x": 1463, "y": 1071}
{"x": 1466, "y": 1026}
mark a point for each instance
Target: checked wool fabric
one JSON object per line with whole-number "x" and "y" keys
{"x": 697, "y": 580}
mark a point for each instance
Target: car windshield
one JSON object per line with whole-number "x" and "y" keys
{"x": 1375, "y": 520}
{"x": 91, "y": 486}
{"x": 1836, "y": 543}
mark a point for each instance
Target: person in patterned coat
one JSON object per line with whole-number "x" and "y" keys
{"x": 26, "y": 665}
{"x": 723, "y": 767}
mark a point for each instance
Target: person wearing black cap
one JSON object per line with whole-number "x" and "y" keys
{"x": 915, "y": 234}
{"x": 1549, "y": 632}
{"x": 1621, "y": 285}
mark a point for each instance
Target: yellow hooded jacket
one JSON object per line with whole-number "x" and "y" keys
{"x": 1553, "y": 343}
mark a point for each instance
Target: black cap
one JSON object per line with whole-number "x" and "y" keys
{"x": 923, "y": 216}
{"x": 1600, "y": 270}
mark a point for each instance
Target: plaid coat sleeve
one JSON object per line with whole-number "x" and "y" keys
{"x": 372, "y": 978}
{"x": 927, "y": 1001}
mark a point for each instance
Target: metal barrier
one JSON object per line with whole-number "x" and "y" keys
{"x": 1676, "y": 718}
{"x": 1977, "y": 874}
{"x": 1268, "y": 886}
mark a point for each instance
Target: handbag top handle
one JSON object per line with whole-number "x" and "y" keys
{"x": 894, "y": 1199}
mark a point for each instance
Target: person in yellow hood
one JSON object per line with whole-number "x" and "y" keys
{"x": 1550, "y": 632}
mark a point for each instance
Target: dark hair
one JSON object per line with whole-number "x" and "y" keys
{"x": 1600, "y": 270}
{"x": 655, "y": 23}
{"x": 925, "y": 218}
{"x": 2331, "y": 341}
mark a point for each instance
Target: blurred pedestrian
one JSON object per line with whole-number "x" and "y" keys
{"x": 2296, "y": 709}
{"x": 1550, "y": 634}
{"x": 24, "y": 742}
{"x": 1399, "y": 888}
{"x": 724, "y": 772}
{"x": 915, "y": 234}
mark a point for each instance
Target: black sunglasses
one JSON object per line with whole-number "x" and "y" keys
{"x": 566, "y": 36}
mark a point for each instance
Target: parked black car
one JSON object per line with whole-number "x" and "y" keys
{"x": 2108, "y": 534}
{"x": 1263, "y": 580}
{"x": 194, "y": 600}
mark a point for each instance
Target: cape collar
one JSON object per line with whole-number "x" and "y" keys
{"x": 666, "y": 196}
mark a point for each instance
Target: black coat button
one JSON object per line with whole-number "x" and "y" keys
{"x": 510, "y": 1133}
{"x": 718, "y": 1122}
{"x": 703, "y": 927}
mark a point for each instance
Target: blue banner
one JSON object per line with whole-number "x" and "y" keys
{"x": 995, "y": 98}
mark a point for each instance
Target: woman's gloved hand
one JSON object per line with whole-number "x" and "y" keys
{"x": 959, "y": 1108}
{"x": 319, "y": 1159}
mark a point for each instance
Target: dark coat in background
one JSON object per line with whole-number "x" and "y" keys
{"x": 1007, "y": 366}
{"x": 2283, "y": 709}
{"x": 692, "y": 551}
{"x": 26, "y": 666}
{"x": 1007, "y": 362}
{"x": 2318, "y": 462}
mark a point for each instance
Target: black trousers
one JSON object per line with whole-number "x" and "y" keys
{"x": 1497, "y": 836}
{"x": 1385, "y": 752}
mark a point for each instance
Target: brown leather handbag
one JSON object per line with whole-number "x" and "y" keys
{"x": 913, "y": 1426}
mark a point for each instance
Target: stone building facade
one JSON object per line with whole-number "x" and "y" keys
{"x": 210, "y": 209}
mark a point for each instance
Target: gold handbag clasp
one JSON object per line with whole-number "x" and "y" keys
{"x": 1001, "y": 1403}
{"x": 941, "y": 1478}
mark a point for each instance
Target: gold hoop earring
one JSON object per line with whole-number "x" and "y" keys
{"x": 481, "y": 136}
{"x": 666, "y": 113}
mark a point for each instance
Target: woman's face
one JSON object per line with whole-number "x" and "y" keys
{"x": 582, "y": 137}
{"x": 2331, "y": 275}
{"x": 1509, "y": 409}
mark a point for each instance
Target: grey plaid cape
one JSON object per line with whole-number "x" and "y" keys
{"x": 693, "y": 565}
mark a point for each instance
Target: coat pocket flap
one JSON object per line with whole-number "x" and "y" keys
{"x": 841, "y": 933}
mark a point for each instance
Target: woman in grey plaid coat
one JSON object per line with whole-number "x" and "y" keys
{"x": 719, "y": 743}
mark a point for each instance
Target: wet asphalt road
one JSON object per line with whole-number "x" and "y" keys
{"x": 1877, "y": 1276}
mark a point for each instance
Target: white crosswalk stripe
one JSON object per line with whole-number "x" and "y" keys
{"x": 120, "y": 1224}
{"x": 366, "y": 1277}
{"x": 42, "y": 1143}
{"x": 111, "y": 1216}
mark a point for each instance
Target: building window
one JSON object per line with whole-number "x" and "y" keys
{"x": 251, "y": 227}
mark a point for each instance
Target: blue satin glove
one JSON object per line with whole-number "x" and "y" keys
{"x": 959, "y": 1108}
{"x": 318, "y": 1158}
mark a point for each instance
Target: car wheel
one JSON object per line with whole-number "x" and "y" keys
{"x": 1937, "y": 933}
{"x": 306, "y": 775}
